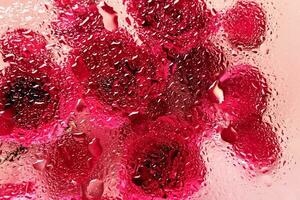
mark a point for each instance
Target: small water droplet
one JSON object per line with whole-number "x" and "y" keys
{"x": 78, "y": 134}
{"x": 80, "y": 106}
{"x": 135, "y": 113}
{"x": 95, "y": 148}
{"x": 39, "y": 165}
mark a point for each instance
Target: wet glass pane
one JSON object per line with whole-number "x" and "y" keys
{"x": 149, "y": 99}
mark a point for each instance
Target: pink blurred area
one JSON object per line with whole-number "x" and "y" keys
{"x": 225, "y": 181}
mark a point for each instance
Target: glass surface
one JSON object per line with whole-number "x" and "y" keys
{"x": 149, "y": 100}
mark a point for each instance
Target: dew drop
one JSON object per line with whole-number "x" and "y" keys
{"x": 80, "y": 106}
{"x": 267, "y": 180}
{"x": 95, "y": 189}
{"x": 95, "y": 148}
{"x": 40, "y": 165}
{"x": 229, "y": 135}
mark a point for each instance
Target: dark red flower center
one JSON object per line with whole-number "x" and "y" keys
{"x": 116, "y": 83}
{"x": 29, "y": 101}
{"x": 163, "y": 164}
{"x": 160, "y": 167}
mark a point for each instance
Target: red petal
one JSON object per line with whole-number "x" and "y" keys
{"x": 7, "y": 123}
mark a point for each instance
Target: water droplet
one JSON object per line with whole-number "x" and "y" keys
{"x": 95, "y": 148}
{"x": 78, "y": 136}
{"x": 95, "y": 188}
{"x": 39, "y": 165}
{"x": 229, "y": 135}
{"x": 80, "y": 106}
{"x": 267, "y": 179}
{"x": 133, "y": 114}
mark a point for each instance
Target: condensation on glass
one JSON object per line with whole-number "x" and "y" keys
{"x": 148, "y": 99}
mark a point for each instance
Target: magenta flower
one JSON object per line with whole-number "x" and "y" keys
{"x": 245, "y": 25}
{"x": 245, "y": 92}
{"x": 33, "y": 103}
{"x": 254, "y": 141}
{"x": 143, "y": 110}
{"x": 120, "y": 73}
{"x": 176, "y": 25}
{"x": 161, "y": 161}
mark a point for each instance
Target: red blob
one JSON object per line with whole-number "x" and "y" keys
{"x": 24, "y": 190}
{"x": 120, "y": 73}
{"x": 254, "y": 141}
{"x": 70, "y": 161}
{"x": 178, "y": 25}
{"x": 162, "y": 162}
{"x": 245, "y": 25}
{"x": 245, "y": 92}
{"x": 77, "y": 22}
{"x": 199, "y": 68}
{"x": 206, "y": 118}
